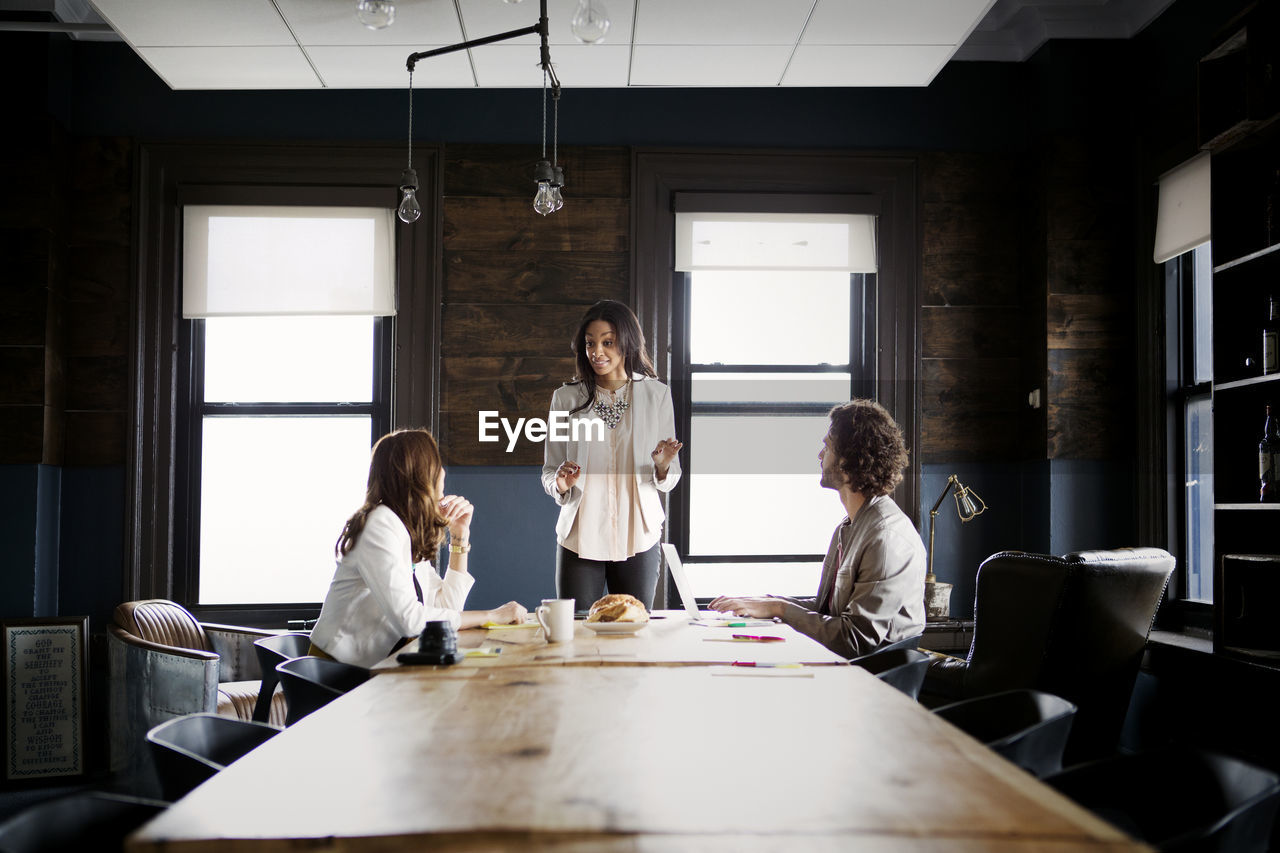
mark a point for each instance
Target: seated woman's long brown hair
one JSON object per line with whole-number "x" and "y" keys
{"x": 404, "y": 476}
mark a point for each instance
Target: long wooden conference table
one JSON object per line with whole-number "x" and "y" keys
{"x": 662, "y": 740}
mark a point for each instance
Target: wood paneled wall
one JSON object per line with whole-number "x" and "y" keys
{"x": 1027, "y": 279}
{"x": 31, "y": 295}
{"x": 1024, "y": 282}
{"x": 1089, "y": 287}
{"x": 64, "y": 305}
{"x": 974, "y": 337}
{"x": 516, "y": 285}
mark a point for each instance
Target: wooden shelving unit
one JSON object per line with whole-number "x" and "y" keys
{"x": 1239, "y": 106}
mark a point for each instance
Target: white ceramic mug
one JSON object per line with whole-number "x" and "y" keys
{"x": 555, "y": 615}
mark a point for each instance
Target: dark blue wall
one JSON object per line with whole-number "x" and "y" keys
{"x": 513, "y": 551}
{"x": 19, "y": 496}
{"x": 970, "y": 106}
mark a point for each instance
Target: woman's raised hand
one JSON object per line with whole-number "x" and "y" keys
{"x": 663, "y": 454}
{"x": 567, "y": 475}
{"x": 457, "y": 512}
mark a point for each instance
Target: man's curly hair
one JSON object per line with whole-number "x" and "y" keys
{"x": 868, "y": 445}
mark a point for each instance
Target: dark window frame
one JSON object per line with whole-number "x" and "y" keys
{"x": 1179, "y": 275}
{"x": 860, "y": 363}
{"x": 170, "y": 175}
{"x": 888, "y": 184}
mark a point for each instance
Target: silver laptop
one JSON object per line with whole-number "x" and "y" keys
{"x": 685, "y": 589}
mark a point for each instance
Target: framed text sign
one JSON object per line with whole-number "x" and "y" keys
{"x": 46, "y": 689}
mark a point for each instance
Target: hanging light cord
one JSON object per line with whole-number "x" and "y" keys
{"x": 410, "y": 117}
{"x": 555, "y": 129}
{"x": 544, "y": 112}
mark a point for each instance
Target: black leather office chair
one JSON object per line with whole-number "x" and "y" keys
{"x": 273, "y": 651}
{"x": 310, "y": 683}
{"x": 86, "y": 820}
{"x": 190, "y": 749}
{"x": 1074, "y": 626}
{"x": 1028, "y": 727}
{"x": 1179, "y": 798}
{"x": 901, "y": 668}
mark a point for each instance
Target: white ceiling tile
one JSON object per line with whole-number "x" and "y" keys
{"x": 720, "y": 21}
{"x": 893, "y": 22}
{"x": 171, "y": 23}
{"x": 491, "y": 17}
{"x": 579, "y": 66}
{"x": 703, "y": 65}
{"x": 866, "y": 65}
{"x": 333, "y": 22}
{"x": 384, "y": 68}
{"x": 231, "y": 67}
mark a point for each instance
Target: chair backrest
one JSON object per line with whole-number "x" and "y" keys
{"x": 159, "y": 620}
{"x": 190, "y": 749}
{"x": 310, "y": 683}
{"x": 1074, "y": 626}
{"x": 1028, "y": 727}
{"x": 271, "y": 652}
{"x": 901, "y": 668}
{"x": 87, "y": 820}
{"x": 1179, "y": 798}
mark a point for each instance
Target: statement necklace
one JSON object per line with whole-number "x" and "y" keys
{"x": 611, "y": 413}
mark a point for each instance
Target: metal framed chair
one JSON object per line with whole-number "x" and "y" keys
{"x": 902, "y": 668}
{"x": 165, "y": 663}
{"x": 310, "y": 683}
{"x": 188, "y": 750}
{"x": 1179, "y": 798}
{"x": 273, "y": 651}
{"x": 1028, "y": 727}
{"x": 85, "y": 820}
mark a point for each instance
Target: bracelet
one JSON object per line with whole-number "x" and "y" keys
{"x": 455, "y": 548}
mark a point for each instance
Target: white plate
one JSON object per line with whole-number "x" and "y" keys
{"x": 615, "y": 627}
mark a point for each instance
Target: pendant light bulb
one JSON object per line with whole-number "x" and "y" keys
{"x": 376, "y": 14}
{"x": 590, "y": 21}
{"x": 409, "y": 210}
{"x": 557, "y": 200}
{"x": 543, "y": 202}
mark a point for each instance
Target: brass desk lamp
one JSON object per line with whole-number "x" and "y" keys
{"x": 937, "y": 596}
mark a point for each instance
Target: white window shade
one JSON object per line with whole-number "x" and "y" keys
{"x": 265, "y": 261}
{"x": 1182, "y": 219}
{"x": 772, "y": 241}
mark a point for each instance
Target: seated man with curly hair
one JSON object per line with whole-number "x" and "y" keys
{"x": 872, "y": 587}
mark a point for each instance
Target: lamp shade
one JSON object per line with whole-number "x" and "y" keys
{"x": 833, "y": 242}
{"x": 1182, "y": 218}
{"x": 265, "y": 260}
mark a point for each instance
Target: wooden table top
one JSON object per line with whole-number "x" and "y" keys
{"x": 670, "y": 641}
{"x": 624, "y": 758}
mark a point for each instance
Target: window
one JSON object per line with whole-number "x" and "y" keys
{"x": 283, "y": 421}
{"x": 182, "y": 371}
{"x": 758, "y": 374}
{"x": 1189, "y": 374}
{"x": 287, "y": 308}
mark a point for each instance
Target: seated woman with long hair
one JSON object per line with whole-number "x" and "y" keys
{"x": 376, "y": 600}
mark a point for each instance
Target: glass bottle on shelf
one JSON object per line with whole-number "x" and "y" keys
{"x": 1268, "y": 457}
{"x": 1271, "y": 338}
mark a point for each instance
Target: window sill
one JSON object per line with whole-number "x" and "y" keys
{"x": 1189, "y": 639}
{"x": 1195, "y": 648}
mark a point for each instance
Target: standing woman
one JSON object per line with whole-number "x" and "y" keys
{"x": 376, "y": 600}
{"x": 610, "y": 514}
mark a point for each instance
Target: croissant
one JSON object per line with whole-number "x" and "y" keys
{"x": 618, "y": 607}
